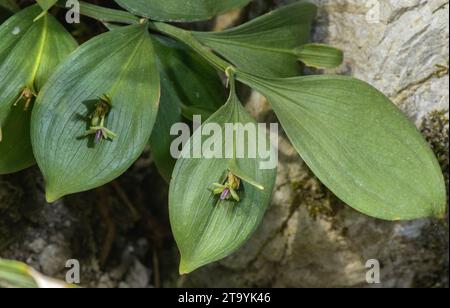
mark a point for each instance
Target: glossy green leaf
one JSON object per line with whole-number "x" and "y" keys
{"x": 264, "y": 46}
{"x": 29, "y": 53}
{"x": 119, "y": 67}
{"x": 188, "y": 84}
{"x": 319, "y": 55}
{"x": 174, "y": 10}
{"x": 206, "y": 228}
{"x": 359, "y": 144}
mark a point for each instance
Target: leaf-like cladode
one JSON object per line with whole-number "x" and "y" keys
{"x": 205, "y": 227}
{"x": 29, "y": 53}
{"x": 265, "y": 46}
{"x": 112, "y": 80}
{"x": 174, "y": 10}
{"x": 319, "y": 55}
{"x": 187, "y": 82}
{"x": 359, "y": 144}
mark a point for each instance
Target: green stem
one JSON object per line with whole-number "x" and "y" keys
{"x": 187, "y": 38}
{"x": 107, "y": 15}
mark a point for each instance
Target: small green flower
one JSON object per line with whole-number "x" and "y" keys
{"x": 100, "y": 133}
{"x": 98, "y": 117}
{"x": 229, "y": 188}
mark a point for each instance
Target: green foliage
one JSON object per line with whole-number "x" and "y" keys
{"x": 189, "y": 85}
{"x": 358, "y": 144}
{"x": 205, "y": 227}
{"x": 29, "y": 53}
{"x": 97, "y": 108}
{"x": 170, "y": 10}
{"x": 265, "y": 45}
{"x": 126, "y": 72}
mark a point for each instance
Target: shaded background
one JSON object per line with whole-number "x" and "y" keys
{"x": 121, "y": 234}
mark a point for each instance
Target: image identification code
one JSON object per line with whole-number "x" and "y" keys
{"x": 226, "y": 297}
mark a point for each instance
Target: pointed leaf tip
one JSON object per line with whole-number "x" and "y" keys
{"x": 184, "y": 268}
{"x": 51, "y": 196}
